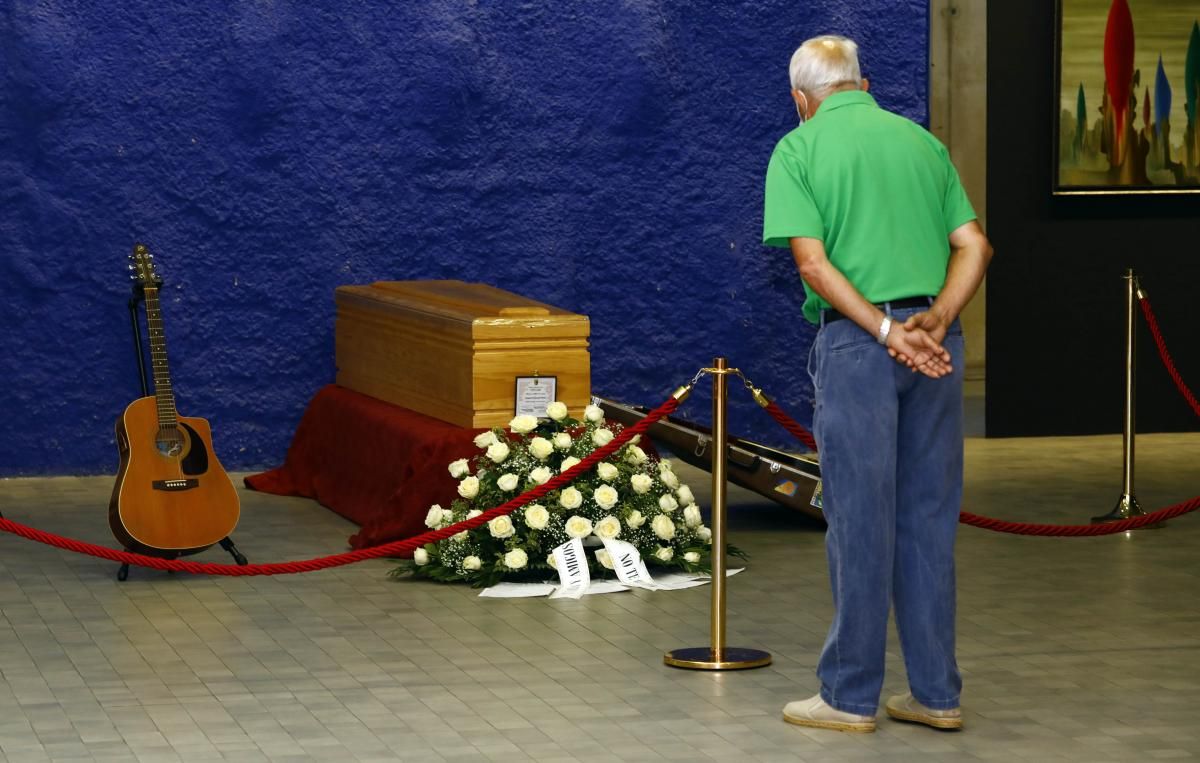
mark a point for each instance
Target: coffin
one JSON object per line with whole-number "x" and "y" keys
{"x": 453, "y": 350}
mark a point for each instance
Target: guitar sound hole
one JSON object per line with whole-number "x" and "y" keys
{"x": 169, "y": 442}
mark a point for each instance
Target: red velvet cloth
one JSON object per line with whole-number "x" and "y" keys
{"x": 375, "y": 463}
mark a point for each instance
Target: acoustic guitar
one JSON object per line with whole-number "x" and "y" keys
{"x": 172, "y": 497}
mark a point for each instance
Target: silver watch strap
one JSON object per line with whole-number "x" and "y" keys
{"x": 884, "y": 329}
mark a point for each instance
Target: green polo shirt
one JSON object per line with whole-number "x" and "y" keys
{"x": 876, "y": 188}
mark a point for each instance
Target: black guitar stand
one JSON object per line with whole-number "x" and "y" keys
{"x": 226, "y": 543}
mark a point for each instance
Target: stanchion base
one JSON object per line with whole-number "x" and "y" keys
{"x": 1127, "y": 508}
{"x": 704, "y": 658}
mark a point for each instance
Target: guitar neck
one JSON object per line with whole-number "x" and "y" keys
{"x": 163, "y": 393}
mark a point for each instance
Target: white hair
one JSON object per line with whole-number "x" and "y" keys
{"x": 824, "y": 63}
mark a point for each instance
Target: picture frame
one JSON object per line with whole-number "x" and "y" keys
{"x": 1151, "y": 49}
{"x": 533, "y": 393}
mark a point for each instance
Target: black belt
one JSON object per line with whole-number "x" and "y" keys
{"x": 832, "y": 315}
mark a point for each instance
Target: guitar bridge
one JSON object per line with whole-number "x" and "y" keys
{"x": 175, "y": 486}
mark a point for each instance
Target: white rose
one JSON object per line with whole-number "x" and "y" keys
{"x": 704, "y": 534}
{"x": 635, "y": 519}
{"x": 485, "y": 439}
{"x": 602, "y": 437}
{"x": 663, "y": 527}
{"x": 459, "y": 468}
{"x": 550, "y": 560}
{"x": 691, "y": 515}
{"x": 605, "y": 496}
{"x": 636, "y": 455}
{"x": 540, "y": 447}
{"x": 541, "y": 475}
{"x": 473, "y": 513}
{"x": 609, "y": 527}
{"x": 421, "y": 557}
{"x": 498, "y": 451}
{"x": 469, "y": 487}
{"x": 579, "y": 527}
{"x": 523, "y": 424}
{"x": 460, "y": 537}
{"x": 536, "y": 516}
{"x": 607, "y": 471}
{"x": 516, "y": 559}
{"x": 604, "y": 559}
{"x": 571, "y": 499}
{"x": 472, "y": 563}
{"x": 665, "y": 466}
{"x": 562, "y": 440}
{"x": 557, "y": 410}
{"x": 685, "y": 495}
{"x": 567, "y": 463}
{"x": 641, "y": 483}
{"x": 665, "y": 553}
{"x": 692, "y": 556}
{"x": 667, "y": 502}
{"x": 434, "y": 517}
{"x": 669, "y": 479}
{"x": 507, "y": 482}
{"x": 594, "y": 414}
{"x": 501, "y": 527}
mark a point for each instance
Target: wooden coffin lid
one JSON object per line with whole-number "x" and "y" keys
{"x": 484, "y": 308}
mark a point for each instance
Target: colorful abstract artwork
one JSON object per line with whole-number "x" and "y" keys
{"x": 1128, "y": 87}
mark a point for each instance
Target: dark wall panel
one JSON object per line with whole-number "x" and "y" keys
{"x": 1055, "y": 352}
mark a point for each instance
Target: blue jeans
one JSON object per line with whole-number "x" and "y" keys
{"x": 891, "y": 447}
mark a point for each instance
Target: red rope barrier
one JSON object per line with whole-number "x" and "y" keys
{"x": 1020, "y": 528}
{"x": 1152, "y": 322}
{"x": 791, "y": 425}
{"x": 395, "y": 548}
{"x": 1072, "y": 531}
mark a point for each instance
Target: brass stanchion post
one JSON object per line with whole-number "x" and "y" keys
{"x": 1127, "y": 505}
{"x": 718, "y": 656}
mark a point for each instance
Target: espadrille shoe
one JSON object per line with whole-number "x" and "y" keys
{"x": 815, "y": 713}
{"x": 905, "y": 708}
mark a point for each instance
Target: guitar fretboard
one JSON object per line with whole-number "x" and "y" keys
{"x": 163, "y": 394}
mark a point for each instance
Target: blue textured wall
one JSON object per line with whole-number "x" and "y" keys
{"x": 605, "y": 157}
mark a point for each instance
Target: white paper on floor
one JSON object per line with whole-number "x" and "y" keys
{"x": 673, "y": 581}
{"x": 518, "y": 590}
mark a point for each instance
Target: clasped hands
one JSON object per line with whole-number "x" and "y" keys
{"x": 917, "y": 344}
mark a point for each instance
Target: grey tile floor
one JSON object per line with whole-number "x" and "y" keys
{"x": 1071, "y": 649}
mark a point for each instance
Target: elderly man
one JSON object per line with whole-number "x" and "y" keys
{"x": 889, "y": 251}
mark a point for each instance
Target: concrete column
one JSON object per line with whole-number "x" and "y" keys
{"x": 958, "y": 117}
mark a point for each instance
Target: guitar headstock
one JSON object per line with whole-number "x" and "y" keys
{"x": 141, "y": 263}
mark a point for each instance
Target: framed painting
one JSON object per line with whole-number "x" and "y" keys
{"x": 1128, "y": 84}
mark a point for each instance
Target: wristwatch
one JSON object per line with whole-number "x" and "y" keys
{"x": 884, "y": 329}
